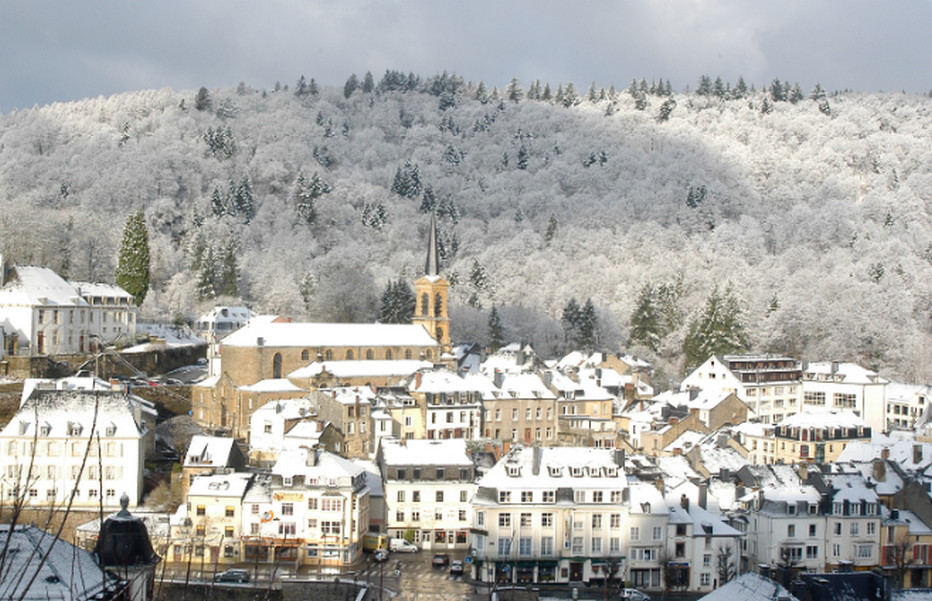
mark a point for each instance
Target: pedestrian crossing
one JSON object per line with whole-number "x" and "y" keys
{"x": 421, "y": 573}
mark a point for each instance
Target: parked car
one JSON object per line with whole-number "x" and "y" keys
{"x": 456, "y": 567}
{"x": 440, "y": 559}
{"x": 400, "y": 545}
{"x": 234, "y": 575}
{"x": 632, "y": 594}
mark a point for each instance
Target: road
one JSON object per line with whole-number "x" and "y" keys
{"x": 417, "y": 579}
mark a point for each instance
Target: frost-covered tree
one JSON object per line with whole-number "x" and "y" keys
{"x": 306, "y": 193}
{"x": 514, "y": 92}
{"x": 368, "y": 85}
{"x": 407, "y": 182}
{"x": 551, "y": 231}
{"x": 351, "y": 85}
{"x": 645, "y": 325}
{"x": 132, "y": 272}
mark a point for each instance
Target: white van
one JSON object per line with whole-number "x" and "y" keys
{"x": 400, "y": 545}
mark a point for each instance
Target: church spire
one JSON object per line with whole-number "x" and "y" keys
{"x": 432, "y": 267}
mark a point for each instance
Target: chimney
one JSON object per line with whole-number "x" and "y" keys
{"x": 320, "y": 426}
{"x": 620, "y": 458}
{"x": 498, "y": 378}
{"x": 417, "y": 379}
{"x": 693, "y": 393}
{"x": 885, "y": 453}
{"x": 260, "y": 341}
{"x": 684, "y": 502}
{"x": 703, "y": 495}
{"x": 834, "y": 367}
{"x": 917, "y": 453}
{"x": 764, "y": 570}
{"x": 658, "y": 484}
{"x": 724, "y": 474}
{"x": 880, "y": 470}
{"x": 804, "y": 471}
{"x": 538, "y": 456}
{"x": 311, "y": 457}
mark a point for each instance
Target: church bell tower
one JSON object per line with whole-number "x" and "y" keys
{"x": 432, "y": 291}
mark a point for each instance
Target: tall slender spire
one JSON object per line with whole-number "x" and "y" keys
{"x": 432, "y": 268}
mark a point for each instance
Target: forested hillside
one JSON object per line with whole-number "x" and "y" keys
{"x": 808, "y": 213}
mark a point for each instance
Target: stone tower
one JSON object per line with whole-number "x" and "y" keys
{"x": 431, "y": 291}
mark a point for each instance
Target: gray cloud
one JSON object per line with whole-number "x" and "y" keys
{"x": 59, "y": 50}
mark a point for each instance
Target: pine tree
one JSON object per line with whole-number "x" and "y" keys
{"x": 570, "y": 322}
{"x": 367, "y": 83}
{"x": 514, "y": 92}
{"x": 202, "y": 100}
{"x": 227, "y": 280}
{"x": 397, "y": 304}
{"x": 350, "y": 86}
{"x": 717, "y": 330}
{"x": 132, "y": 272}
{"x": 645, "y": 321}
{"x": 551, "y": 230}
{"x": 496, "y": 331}
{"x": 588, "y": 329}
{"x": 306, "y": 193}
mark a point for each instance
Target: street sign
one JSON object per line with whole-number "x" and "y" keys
{"x": 468, "y": 559}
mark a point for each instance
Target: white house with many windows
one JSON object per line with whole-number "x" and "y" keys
{"x": 428, "y": 488}
{"x": 550, "y": 514}
{"x": 42, "y": 314}
{"x": 846, "y": 386}
{"x": 89, "y": 441}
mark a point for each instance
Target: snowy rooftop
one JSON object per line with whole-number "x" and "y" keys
{"x": 576, "y": 467}
{"x": 647, "y": 499}
{"x": 400, "y": 368}
{"x": 441, "y": 380}
{"x": 63, "y": 412}
{"x": 286, "y": 334}
{"x": 273, "y": 385}
{"x": 33, "y": 284}
{"x": 849, "y": 373}
{"x": 86, "y": 289}
{"x": 67, "y": 572}
{"x": 525, "y": 386}
{"x": 225, "y": 485}
{"x": 852, "y": 488}
{"x": 908, "y": 454}
{"x": 294, "y": 462}
{"x": 349, "y": 395}
{"x": 705, "y": 522}
{"x": 830, "y": 418}
{"x": 750, "y": 586}
{"x": 425, "y": 452}
{"x": 209, "y": 450}
{"x": 286, "y": 409}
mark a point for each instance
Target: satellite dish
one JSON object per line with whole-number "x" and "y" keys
{"x": 267, "y": 516}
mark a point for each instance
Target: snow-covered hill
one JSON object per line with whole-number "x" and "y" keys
{"x": 818, "y": 217}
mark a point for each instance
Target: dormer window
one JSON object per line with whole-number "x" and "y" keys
{"x": 555, "y": 471}
{"x": 514, "y": 471}
{"x": 44, "y": 430}
{"x": 576, "y": 472}
{"x": 111, "y": 430}
{"x": 791, "y": 509}
{"x": 288, "y": 481}
{"x": 611, "y": 471}
{"x": 594, "y": 472}
{"x": 74, "y": 429}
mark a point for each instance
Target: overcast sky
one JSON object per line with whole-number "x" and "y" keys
{"x": 61, "y": 50}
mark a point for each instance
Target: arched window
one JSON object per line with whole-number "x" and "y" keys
{"x": 305, "y": 355}
{"x": 427, "y": 354}
{"x": 408, "y": 354}
{"x": 328, "y": 355}
{"x": 369, "y": 355}
{"x": 438, "y": 305}
{"x": 388, "y": 354}
{"x": 425, "y": 300}
{"x": 349, "y": 355}
{"x": 277, "y": 365}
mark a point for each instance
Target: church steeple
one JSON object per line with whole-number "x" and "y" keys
{"x": 432, "y": 291}
{"x": 432, "y": 267}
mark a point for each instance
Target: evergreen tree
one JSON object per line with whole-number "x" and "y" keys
{"x": 407, "y": 181}
{"x": 204, "y": 270}
{"x": 588, "y": 328}
{"x": 778, "y": 91}
{"x": 242, "y": 201}
{"x": 306, "y": 193}
{"x": 312, "y": 87}
{"x": 300, "y": 88}
{"x": 551, "y": 230}
{"x": 717, "y": 330}
{"x": 666, "y": 109}
{"x": 227, "y": 279}
{"x": 132, "y": 272}
{"x": 514, "y": 92}
{"x": 569, "y": 97}
{"x": 718, "y": 88}
{"x": 368, "y": 85}
{"x": 570, "y": 322}
{"x": 350, "y": 86}
{"x": 523, "y": 156}
{"x": 796, "y": 94}
{"x": 817, "y": 92}
{"x": 646, "y": 326}
{"x": 496, "y": 331}
{"x": 397, "y": 304}
{"x": 705, "y": 86}
{"x": 428, "y": 200}
{"x": 202, "y": 100}
{"x": 740, "y": 90}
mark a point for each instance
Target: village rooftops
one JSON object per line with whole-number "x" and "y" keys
{"x": 558, "y": 467}
{"x": 210, "y": 451}
{"x": 272, "y": 385}
{"x": 72, "y": 414}
{"x": 296, "y": 335}
{"x": 829, "y": 419}
{"x": 41, "y": 286}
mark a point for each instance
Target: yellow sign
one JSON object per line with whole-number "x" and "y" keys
{"x": 288, "y": 496}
